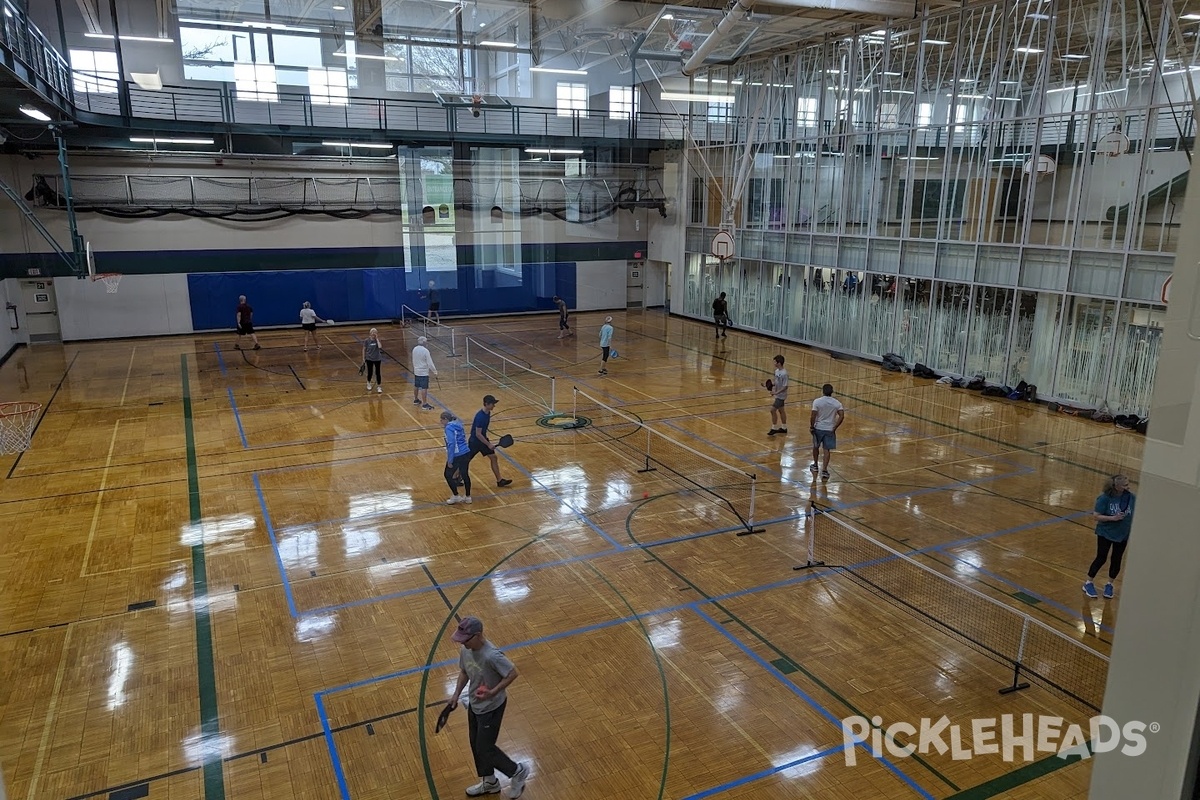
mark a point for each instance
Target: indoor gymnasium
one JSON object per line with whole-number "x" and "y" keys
{"x": 411, "y": 398}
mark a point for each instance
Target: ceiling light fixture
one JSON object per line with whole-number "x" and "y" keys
{"x": 168, "y": 140}
{"x": 937, "y": 42}
{"x": 124, "y": 38}
{"x": 686, "y": 97}
{"x": 367, "y": 56}
{"x": 556, "y": 71}
{"x": 1074, "y": 57}
{"x": 1030, "y": 50}
{"x": 36, "y": 113}
{"x": 493, "y": 43}
{"x": 338, "y": 8}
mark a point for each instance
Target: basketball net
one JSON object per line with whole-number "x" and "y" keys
{"x": 17, "y": 421}
{"x": 111, "y": 281}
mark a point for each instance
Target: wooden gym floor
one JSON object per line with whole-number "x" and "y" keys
{"x": 232, "y": 575}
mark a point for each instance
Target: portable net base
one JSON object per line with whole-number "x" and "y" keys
{"x": 1029, "y": 647}
{"x": 17, "y": 421}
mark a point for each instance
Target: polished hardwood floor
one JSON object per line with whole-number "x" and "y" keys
{"x": 233, "y": 574}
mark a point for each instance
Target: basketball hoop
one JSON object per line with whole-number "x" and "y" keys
{"x": 1112, "y": 144}
{"x": 111, "y": 281}
{"x": 17, "y": 421}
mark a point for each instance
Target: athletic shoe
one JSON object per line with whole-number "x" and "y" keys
{"x": 485, "y": 786}
{"x": 813, "y": 468}
{"x": 504, "y": 482}
{"x": 772, "y": 432}
{"x": 427, "y": 407}
{"x": 602, "y": 372}
{"x": 723, "y": 336}
{"x": 258, "y": 347}
{"x": 453, "y": 500}
{"x": 1089, "y": 589}
{"x": 1108, "y": 591}
{"x": 369, "y": 386}
{"x": 517, "y": 784}
{"x": 416, "y": 402}
{"x": 825, "y": 475}
{"x": 237, "y": 347}
{"x": 783, "y": 430}
{"x": 466, "y": 500}
{"x": 379, "y": 389}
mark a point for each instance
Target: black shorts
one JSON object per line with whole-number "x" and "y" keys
{"x": 604, "y": 351}
{"x": 434, "y": 307}
{"x": 309, "y": 326}
{"x": 480, "y": 449}
{"x": 245, "y": 330}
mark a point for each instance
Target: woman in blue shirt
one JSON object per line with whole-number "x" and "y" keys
{"x": 1114, "y": 519}
{"x": 606, "y": 332}
{"x": 458, "y": 458}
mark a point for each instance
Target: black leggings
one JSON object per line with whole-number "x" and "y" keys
{"x": 460, "y": 467}
{"x": 562, "y": 323}
{"x": 484, "y": 730}
{"x": 373, "y": 366}
{"x": 1102, "y": 547}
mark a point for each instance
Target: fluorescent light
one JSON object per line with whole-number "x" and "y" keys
{"x": 1191, "y": 17}
{"x": 1180, "y": 71}
{"x": 36, "y": 113}
{"x": 491, "y": 43}
{"x": 865, "y": 90}
{"x": 368, "y": 145}
{"x": 938, "y": 42}
{"x": 897, "y": 91}
{"x": 735, "y": 81}
{"x": 971, "y": 96}
{"x": 169, "y": 140}
{"x": 552, "y": 152}
{"x": 368, "y": 56}
{"x": 834, "y": 71}
{"x": 668, "y": 16}
{"x": 1074, "y": 57}
{"x": 1010, "y": 83}
{"x": 784, "y": 155}
{"x": 967, "y": 80}
{"x": 1112, "y": 91}
{"x": 1031, "y": 50}
{"x": 556, "y": 71}
{"x": 893, "y": 74}
{"x": 7, "y": 13}
{"x": 1067, "y": 89}
{"x": 1037, "y": 16}
{"x": 918, "y": 158}
{"x": 685, "y": 97}
{"x": 338, "y": 8}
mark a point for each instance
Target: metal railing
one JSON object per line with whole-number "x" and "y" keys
{"x": 21, "y": 40}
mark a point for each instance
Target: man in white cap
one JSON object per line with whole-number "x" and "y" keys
{"x": 606, "y": 332}
{"x": 422, "y": 365}
{"x": 488, "y": 672}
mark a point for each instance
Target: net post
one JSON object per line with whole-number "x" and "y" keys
{"x": 453, "y": 343}
{"x": 750, "y": 517}
{"x": 1017, "y": 684}
{"x": 553, "y": 390}
{"x": 810, "y": 517}
{"x": 467, "y": 351}
{"x": 575, "y": 406}
{"x": 646, "y": 455}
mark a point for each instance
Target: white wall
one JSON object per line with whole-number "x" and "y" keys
{"x": 144, "y": 305}
{"x": 10, "y": 292}
{"x": 599, "y": 285}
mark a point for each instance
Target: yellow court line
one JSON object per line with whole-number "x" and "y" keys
{"x": 128, "y": 372}
{"x": 87, "y": 553}
{"x": 44, "y": 746}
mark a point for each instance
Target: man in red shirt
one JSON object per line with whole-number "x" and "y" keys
{"x": 245, "y": 323}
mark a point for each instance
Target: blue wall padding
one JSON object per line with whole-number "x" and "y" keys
{"x": 353, "y": 294}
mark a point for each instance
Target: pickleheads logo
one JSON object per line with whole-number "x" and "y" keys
{"x": 1006, "y": 736}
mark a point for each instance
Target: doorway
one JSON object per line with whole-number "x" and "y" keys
{"x": 635, "y": 284}
{"x": 41, "y": 310}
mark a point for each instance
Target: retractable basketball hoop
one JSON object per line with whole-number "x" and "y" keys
{"x": 111, "y": 279}
{"x": 17, "y": 421}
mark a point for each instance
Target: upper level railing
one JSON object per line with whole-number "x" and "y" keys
{"x": 221, "y": 104}
{"x": 28, "y": 45}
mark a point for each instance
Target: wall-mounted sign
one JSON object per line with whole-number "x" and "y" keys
{"x": 33, "y": 272}
{"x": 40, "y": 286}
{"x": 41, "y": 298}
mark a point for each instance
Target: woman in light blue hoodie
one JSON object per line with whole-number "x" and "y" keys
{"x": 458, "y": 459}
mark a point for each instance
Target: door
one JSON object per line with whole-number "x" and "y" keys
{"x": 635, "y": 284}
{"x": 41, "y": 311}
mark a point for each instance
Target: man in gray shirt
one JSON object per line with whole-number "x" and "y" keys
{"x": 488, "y": 672}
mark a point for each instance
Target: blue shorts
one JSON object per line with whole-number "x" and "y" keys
{"x": 826, "y": 439}
{"x": 420, "y": 381}
{"x": 779, "y": 401}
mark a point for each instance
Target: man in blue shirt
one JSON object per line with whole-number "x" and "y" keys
{"x": 458, "y": 459}
{"x": 479, "y": 442}
{"x": 606, "y": 332}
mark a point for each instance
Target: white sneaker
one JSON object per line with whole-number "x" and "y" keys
{"x": 485, "y": 786}
{"x": 465, "y": 501}
{"x": 368, "y": 386}
{"x": 518, "y": 781}
{"x": 454, "y": 500}
{"x": 379, "y": 389}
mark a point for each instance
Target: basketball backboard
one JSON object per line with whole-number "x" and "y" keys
{"x": 678, "y": 31}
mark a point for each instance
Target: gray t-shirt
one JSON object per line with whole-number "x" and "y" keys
{"x": 371, "y": 349}
{"x": 485, "y": 666}
{"x": 781, "y": 383}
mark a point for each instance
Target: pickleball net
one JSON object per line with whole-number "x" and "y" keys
{"x": 730, "y": 487}
{"x": 535, "y": 387}
{"x": 442, "y": 336}
{"x": 1029, "y": 647}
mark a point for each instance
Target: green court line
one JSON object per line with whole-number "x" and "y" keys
{"x": 1018, "y": 777}
{"x": 210, "y": 722}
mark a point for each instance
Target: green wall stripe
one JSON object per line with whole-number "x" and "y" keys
{"x": 210, "y": 723}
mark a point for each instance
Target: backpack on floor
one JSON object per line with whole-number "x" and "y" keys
{"x": 976, "y": 383}
{"x": 922, "y": 371}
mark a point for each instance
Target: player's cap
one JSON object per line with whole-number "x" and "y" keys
{"x": 608, "y": 319}
{"x": 470, "y": 626}
{"x": 421, "y": 340}
{"x": 489, "y": 399}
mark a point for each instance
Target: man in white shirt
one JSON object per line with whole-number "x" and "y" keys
{"x": 779, "y": 393}
{"x": 827, "y": 416}
{"x": 422, "y": 365}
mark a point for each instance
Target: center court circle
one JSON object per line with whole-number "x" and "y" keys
{"x": 563, "y": 421}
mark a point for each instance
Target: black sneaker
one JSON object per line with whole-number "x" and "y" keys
{"x": 825, "y": 475}
{"x": 416, "y": 402}
{"x": 782, "y": 430}
{"x": 504, "y": 482}
{"x": 772, "y": 432}
{"x": 258, "y": 347}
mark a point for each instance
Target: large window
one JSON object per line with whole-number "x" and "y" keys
{"x": 924, "y": 114}
{"x": 255, "y": 82}
{"x": 806, "y": 112}
{"x": 622, "y": 102}
{"x": 572, "y": 98}
{"x": 95, "y": 71}
{"x": 328, "y": 87}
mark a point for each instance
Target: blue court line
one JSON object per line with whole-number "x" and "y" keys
{"x": 220, "y": 358}
{"x": 379, "y": 514}
{"x": 338, "y": 772}
{"x": 766, "y": 773}
{"x": 238, "y": 418}
{"x": 796, "y": 690}
{"x": 287, "y": 586}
